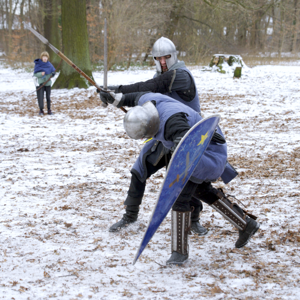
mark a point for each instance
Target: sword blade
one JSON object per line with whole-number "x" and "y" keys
{"x": 41, "y": 38}
{"x": 105, "y": 56}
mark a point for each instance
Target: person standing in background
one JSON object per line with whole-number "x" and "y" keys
{"x": 44, "y": 70}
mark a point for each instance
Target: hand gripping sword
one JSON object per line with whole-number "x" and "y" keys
{"x": 68, "y": 61}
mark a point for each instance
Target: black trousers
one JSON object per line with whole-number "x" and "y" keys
{"x": 137, "y": 189}
{"x": 195, "y": 192}
{"x": 40, "y": 96}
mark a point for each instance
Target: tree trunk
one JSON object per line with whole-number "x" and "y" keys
{"x": 3, "y": 36}
{"x": 10, "y": 15}
{"x": 259, "y": 42}
{"x": 266, "y": 34}
{"x": 22, "y": 14}
{"x": 22, "y": 31}
{"x": 174, "y": 17}
{"x": 295, "y": 23}
{"x": 75, "y": 45}
{"x": 282, "y": 29}
{"x": 29, "y": 12}
{"x": 242, "y": 33}
{"x": 51, "y": 29}
{"x": 256, "y": 39}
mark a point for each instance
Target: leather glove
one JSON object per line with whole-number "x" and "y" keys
{"x": 112, "y": 98}
{"x": 218, "y": 138}
{"x": 176, "y": 142}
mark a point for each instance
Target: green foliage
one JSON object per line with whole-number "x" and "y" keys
{"x": 211, "y": 64}
{"x": 226, "y": 63}
{"x": 220, "y": 70}
{"x": 237, "y": 72}
{"x": 234, "y": 59}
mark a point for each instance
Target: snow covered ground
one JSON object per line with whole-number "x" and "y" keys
{"x": 64, "y": 179}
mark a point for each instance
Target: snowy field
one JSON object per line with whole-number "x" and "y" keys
{"x": 64, "y": 179}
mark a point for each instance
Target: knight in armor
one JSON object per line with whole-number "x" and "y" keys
{"x": 168, "y": 120}
{"x": 172, "y": 78}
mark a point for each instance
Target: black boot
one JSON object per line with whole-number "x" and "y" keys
{"x": 180, "y": 227}
{"x": 246, "y": 225}
{"x": 245, "y": 235}
{"x": 177, "y": 258}
{"x": 239, "y": 218}
{"x": 196, "y": 227}
{"x": 129, "y": 217}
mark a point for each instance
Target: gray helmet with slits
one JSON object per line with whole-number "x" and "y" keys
{"x": 163, "y": 47}
{"x": 142, "y": 121}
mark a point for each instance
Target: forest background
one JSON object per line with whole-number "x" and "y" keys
{"x": 199, "y": 28}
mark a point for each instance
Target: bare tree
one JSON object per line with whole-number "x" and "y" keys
{"x": 295, "y": 26}
{"x": 197, "y": 27}
{"x": 11, "y": 7}
{"x": 75, "y": 44}
{"x": 51, "y": 26}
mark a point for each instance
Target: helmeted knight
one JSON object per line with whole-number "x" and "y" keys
{"x": 164, "y": 47}
{"x": 175, "y": 120}
{"x": 172, "y": 78}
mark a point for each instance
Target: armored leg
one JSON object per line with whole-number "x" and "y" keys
{"x": 246, "y": 225}
{"x": 181, "y": 222}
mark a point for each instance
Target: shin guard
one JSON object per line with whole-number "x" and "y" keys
{"x": 181, "y": 223}
{"x": 232, "y": 212}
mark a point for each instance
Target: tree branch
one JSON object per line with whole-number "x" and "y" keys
{"x": 205, "y": 24}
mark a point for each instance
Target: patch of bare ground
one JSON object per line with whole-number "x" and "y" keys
{"x": 63, "y": 193}
{"x": 76, "y": 106}
{"x": 272, "y": 166}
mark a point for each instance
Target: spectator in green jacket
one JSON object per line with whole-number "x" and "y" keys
{"x": 44, "y": 70}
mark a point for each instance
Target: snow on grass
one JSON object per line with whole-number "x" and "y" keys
{"x": 64, "y": 179}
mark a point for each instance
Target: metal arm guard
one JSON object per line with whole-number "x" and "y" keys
{"x": 131, "y": 99}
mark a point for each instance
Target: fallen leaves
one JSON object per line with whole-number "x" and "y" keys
{"x": 87, "y": 171}
{"x": 23, "y": 150}
{"x": 68, "y": 225}
{"x": 23, "y": 289}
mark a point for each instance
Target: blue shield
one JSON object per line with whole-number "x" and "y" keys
{"x": 182, "y": 165}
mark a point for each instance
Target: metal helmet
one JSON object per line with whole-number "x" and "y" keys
{"x": 163, "y": 47}
{"x": 142, "y": 121}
